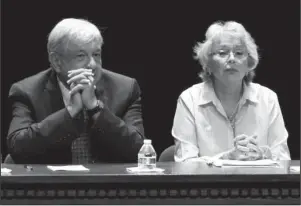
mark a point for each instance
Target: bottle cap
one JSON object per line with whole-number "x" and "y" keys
{"x": 147, "y": 141}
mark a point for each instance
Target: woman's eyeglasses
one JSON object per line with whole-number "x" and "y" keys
{"x": 239, "y": 54}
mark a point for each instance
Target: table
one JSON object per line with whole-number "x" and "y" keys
{"x": 181, "y": 183}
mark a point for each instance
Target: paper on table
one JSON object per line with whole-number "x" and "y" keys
{"x": 295, "y": 168}
{"x": 68, "y": 168}
{"x": 237, "y": 163}
{"x": 5, "y": 170}
{"x": 144, "y": 170}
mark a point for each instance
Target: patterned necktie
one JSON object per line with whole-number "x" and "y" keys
{"x": 81, "y": 146}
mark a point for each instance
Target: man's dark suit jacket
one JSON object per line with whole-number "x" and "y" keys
{"x": 42, "y": 130}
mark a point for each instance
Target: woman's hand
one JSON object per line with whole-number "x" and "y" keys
{"x": 249, "y": 145}
{"x": 245, "y": 148}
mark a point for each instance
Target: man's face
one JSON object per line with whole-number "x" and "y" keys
{"x": 77, "y": 55}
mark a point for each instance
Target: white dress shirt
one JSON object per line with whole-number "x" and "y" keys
{"x": 201, "y": 127}
{"x": 80, "y": 147}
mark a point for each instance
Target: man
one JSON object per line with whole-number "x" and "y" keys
{"x": 76, "y": 111}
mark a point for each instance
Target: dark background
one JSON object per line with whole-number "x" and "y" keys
{"x": 153, "y": 42}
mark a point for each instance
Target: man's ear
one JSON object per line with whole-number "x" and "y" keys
{"x": 54, "y": 61}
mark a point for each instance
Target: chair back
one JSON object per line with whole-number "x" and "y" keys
{"x": 9, "y": 160}
{"x": 168, "y": 154}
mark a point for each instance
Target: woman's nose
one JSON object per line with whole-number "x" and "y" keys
{"x": 231, "y": 58}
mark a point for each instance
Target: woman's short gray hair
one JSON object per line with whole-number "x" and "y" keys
{"x": 203, "y": 50}
{"x": 71, "y": 28}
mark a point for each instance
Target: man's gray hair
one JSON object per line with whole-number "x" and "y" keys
{"x": 72, "y": 29}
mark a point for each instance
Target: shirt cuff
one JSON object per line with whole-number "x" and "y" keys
{"x": 266, "y": 152}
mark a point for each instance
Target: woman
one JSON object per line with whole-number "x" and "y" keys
{"x": 228, "y": 116}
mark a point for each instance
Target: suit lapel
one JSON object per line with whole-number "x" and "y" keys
{"x": 53, "y": 95}
{"x": 101, "y": 89}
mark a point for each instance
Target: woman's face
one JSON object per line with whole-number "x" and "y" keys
{"x": 229, "y": 60}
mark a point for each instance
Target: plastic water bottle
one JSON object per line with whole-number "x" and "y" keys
{"x": 147, "y": 156}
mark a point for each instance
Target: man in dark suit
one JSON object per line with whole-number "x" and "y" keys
{"x": 75, "y": 112}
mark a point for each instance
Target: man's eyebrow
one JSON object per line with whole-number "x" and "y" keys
{"x": 239, "y": 47}
{"x": 79, "y": 51}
